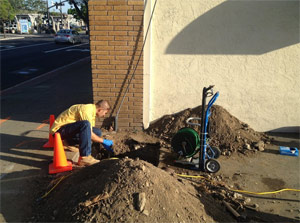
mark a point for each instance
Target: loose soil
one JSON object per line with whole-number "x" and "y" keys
{"x": 225, "y": 131}
{"x": 141, "y": 183}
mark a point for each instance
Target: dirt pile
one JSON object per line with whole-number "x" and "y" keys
{"x": 225, "y": 131}
{"x": 125, "y": 190}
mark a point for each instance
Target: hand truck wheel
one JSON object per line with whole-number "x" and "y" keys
{"x": 212, "y": 166}
{"x": 213, "y": 152}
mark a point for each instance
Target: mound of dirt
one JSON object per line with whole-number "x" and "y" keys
{"x": 126, "y": 190}
{"x": 225, "y": 131}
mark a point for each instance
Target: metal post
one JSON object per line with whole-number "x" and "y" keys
{"x": 202, "y": 130}
{"x": 47, "y": 12}
{"x": 61, "y": 17}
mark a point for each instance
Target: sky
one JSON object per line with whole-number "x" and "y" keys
{"x": 64, "y": 8}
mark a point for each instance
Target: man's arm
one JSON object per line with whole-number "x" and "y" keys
{"x": 96, "y": 138}
{"x": 106, "y": 142}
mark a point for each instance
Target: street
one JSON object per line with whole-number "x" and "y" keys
{"x": 27, "y": 58}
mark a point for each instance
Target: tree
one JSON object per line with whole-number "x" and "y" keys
{"x": 28, "y": 6}
{"x": 54, "y": 13}
{"x": 18, "y": 5}
{"x": 6, "y": 13}
{"x": 34, "y": 6}
{"x": 72, "y": 11}
{"x": 80, "y": 10}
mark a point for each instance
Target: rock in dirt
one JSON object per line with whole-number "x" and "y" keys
{"x": 260, "y": 146}
{"x": 247, "y": 146}
{"x": 237, "y": 196}
{"x": 145, "y": 212}
{"x": 140, "y": 201}
{"x": 247, "y": 200}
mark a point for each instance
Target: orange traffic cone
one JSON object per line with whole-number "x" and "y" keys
{"x": 60, "y": 163}
{"x": 50, "y": 142}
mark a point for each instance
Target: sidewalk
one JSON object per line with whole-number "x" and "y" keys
{"x": 9, "y": 36}
{"x": 24, "y": 111}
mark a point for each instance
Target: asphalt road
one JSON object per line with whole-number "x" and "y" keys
{"x": 24, "y": 59}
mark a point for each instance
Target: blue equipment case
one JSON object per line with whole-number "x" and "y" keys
{"x": 289, "y": 151}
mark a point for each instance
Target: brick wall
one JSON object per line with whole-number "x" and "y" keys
{"x": 116, "y": 39}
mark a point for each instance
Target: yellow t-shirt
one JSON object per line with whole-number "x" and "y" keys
{"x": 75, "y": 113}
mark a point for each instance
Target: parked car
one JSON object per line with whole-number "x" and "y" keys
{"x": 67, "y": 36}
{"x": 12, "y": 28}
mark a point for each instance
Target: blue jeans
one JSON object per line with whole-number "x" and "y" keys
{"x": 79, "y": 133}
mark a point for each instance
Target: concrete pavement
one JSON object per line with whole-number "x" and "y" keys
{"x": 9, "y": 36}
{"x": 24, "y": 129}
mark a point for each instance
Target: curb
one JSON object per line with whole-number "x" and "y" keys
{"x": 11, "y": 38}
{"x": 42, "y": 77}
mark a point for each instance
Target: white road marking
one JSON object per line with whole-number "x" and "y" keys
{"x": 16, "y": 48}
{"x": 23, "y": 72}
{"x": 26, "y": 71}
{"x": 50, "y": 51}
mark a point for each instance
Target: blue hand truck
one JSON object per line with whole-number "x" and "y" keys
{"x": 193, "y": 150}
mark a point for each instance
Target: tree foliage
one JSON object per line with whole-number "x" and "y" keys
{"x": 28, "y": 6}
{"x": 17, "y": 5}
{"x": 35, "y": 5}
{"x": 72, "y": 11}
{"x": 7, "y": 12}
{"x": 80, "y": 10}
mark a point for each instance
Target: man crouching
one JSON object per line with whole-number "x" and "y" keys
{"x": 77, "y": 125}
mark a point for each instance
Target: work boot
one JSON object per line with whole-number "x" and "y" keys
{"x": 87, "y": 160}
{"x": 70, "y": 148}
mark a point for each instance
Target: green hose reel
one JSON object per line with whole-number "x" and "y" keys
{"x": 186, "y": 142}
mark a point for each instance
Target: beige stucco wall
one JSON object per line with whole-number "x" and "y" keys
{"x": 249, "y": 50}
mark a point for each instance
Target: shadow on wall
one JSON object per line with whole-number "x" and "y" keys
{"x": 240, "y": 27}
{"x": 286, "y": 136}
{"x": 287, "y": 129}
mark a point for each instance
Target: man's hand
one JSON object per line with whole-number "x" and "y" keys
{"x": 108, "y": 144}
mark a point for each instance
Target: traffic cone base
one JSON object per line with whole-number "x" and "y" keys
{"x": 60, "y": 163}
{"x": 53, "y": 170}
{"x": 49, "y": 144}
